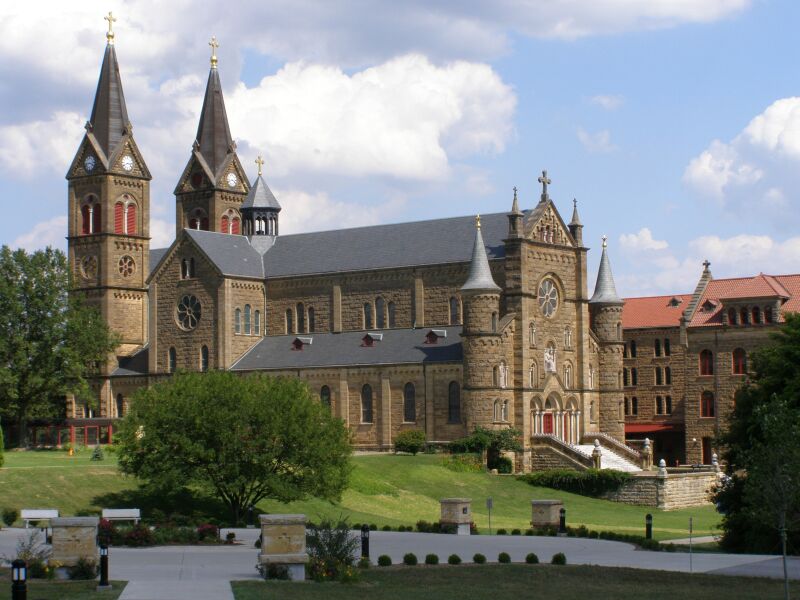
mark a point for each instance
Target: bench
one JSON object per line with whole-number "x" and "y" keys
{"x": 38, "y": 514}
{"x": 122, "y": 514}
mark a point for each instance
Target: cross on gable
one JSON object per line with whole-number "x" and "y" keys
{"x": 706, "y": 264}
{"x": 545, "y": 181}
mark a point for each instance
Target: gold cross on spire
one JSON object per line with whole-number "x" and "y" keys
{"x": 605, "y": 241}
{"x": 477, "y": 221}
{"x": 260, "y": 163}
{"x": 214, "y": 45}
{"x": 545, "y": 181}
{"x": 110, "y": 35}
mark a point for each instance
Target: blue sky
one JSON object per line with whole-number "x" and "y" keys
{"x": 675, "y": 124}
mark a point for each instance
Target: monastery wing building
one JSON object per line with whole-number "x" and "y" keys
{"x": 439, "y": 325}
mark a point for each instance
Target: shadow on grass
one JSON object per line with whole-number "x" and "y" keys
{"x": 158, "y": 505}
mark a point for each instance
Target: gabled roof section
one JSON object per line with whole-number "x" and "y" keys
{"x": 654, "y": 311}
{"x": 545, "y": 214}
{"x": 231, "y": 254}
{"x": 398, "y": 346}
{"x": 702, "y": 284}
{"x": 260, "y": 196}
{"x": 109, "y": 120}
{"x": 480, "y": 275}
{"x": 605, "y": 292}
{"x": 214, "y": 139}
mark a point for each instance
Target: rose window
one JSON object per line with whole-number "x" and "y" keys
{"x": 548, "y": 297}
{"x": 126, "y": 266}
{"x": 188, "y": 312}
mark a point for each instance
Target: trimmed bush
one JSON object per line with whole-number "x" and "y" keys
{"x": 516, "y": 532}
{"x": 529, "y": 532}
{"x": 504, "y": 558}
{"x": 384, "y": 560}
{"x": 558, "y": 559}
{"x": 386, "y": 528}
{"x": 502, "y": 464}
{"x": 591, "y": 482}
{"x": 9, "y": 514}
{"x": 83, "y": 569}
{"x": 411, "y": 441}
{"x": 373, "y": 527}
{"x": 410, "y": 559}
{"x": 502, "y": 531}
{"x": 207, "y": 531}
{"x": 479, "y": 559}
{"x": 431, "y": 559}
{"x": 454, "y": 559}
{"x": 139, "y": 535}
{"x": 532, "y": 559}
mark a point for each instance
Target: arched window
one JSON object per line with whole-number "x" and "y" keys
{"x": 237, "y": 320}
{"x": 568, "y": 375}
{"x": 325, "y": 396}
{"x": 503, "y": 383}
{"x": 567, "y": 338}
{"x": 367, "y": 315}
{"x": 494, "y": 322}
{"x": 366, "y": 404}
{"x": 706, "y": 362}
{"x": 495, "y": 376}
{"x": 224, "y": 224}
{"x": 119, "y": 216}
{"x": 668, "y": 375}
{"x": 496, "y": 410}
{"x": 198, "y": 220}
{"x": 768, "y": 314}
{"x": 380, "y": 318}
{"x": 657, "y": 347}
{"x": 301, "y": 318}
{"x": 130, "y": 218}
{"x": 756, "y": 315}
{"x": 532, "y": 334}
{"x": 534, "y": 375}
{"x": 619, "y": 331}
{"x": 668, "y": 407}
{"x": 504, "y": 412}
{"x": 634, "y": 376}
{"x": 454, "y": 402}
{"x": 625, "y": 379}
{"x": 172, "y": 360}
{"x": 627, "y": 407}
{"x": 391, "y": 309}
{"x": 625, "y": 351}
{"x": 744, "y": 315}
{"x": 591, "y": 377}
{"x": 120, "y": 406}
{"x": 97, "y": 226}
{"x": 739, "y": 361}
{"x": 633, "y": 349}
{"x": 312, "y": 324}
{"x": 666, "y": 347}
{"x": 257, "y": 323}
{"x": 204, "y": 358}
{"x": 707, "y": 404}
{"x": 236, "y": 225}
{"x": 289, "y": 324}
{"x": 247, "y": 315}
{"x": 634, "y": 406}
{"x": 455, "y": 312}
{"x": 86, "y": 219}
{"x": 659, "y": 376}
{"x": 731, "y": 316}
{"x": 409, "y": 403}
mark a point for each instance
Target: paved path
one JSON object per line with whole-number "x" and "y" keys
{"x": 203, "y": 572}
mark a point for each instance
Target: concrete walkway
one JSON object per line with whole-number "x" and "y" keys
{"x": 204, "y": 572}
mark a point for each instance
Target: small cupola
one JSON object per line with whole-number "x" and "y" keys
{"x": 260, "y": 209}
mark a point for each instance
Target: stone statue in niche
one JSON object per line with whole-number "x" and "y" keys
{"x": 550, "y": 359}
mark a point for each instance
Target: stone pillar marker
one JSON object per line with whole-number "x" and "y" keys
{"x": 647, "y": 455}
{"x": 283, "y": 543}
{"x": 546, "y": 513}
{"x": 74, "y": 538}
{"x": 457, "y": 512}
{"x": 597, "y": 455}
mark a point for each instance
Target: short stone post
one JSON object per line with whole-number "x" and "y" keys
{"x": 283, "y": 544}
{"x": 546, "y": 513}
{"x": 456, "y": 512}
{"x": 597, "y": 455}
{"x": 647, "y": 455}
{"x": 662, "y": 468}
{"x": 715, "y": 462}
{"x": 74, "y": 538}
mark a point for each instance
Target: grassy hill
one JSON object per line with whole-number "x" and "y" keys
{"x": 384, "y": 489}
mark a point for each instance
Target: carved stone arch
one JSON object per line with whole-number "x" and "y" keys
{"x": 572, "y": 403}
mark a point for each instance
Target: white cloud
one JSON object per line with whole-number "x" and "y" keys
{"x": 599, "y": 142}
{"x": 48, "y": 233}
{"x": 777, "y": 129}
{"x": 304, "y": 211}
{"x": 643, "y": 240}
{"x": 29, "y": 148}
{"x": 607, "y": 102}
{"x": 719, "y": 167}
{"x": 162, "y": 233}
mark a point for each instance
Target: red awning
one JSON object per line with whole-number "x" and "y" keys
{"x": 650, "y": 427}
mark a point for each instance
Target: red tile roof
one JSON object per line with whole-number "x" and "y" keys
{"x": 654, "y": 311}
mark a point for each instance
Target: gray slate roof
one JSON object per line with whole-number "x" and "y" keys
{"x": 260, "y": 196}
{"x": 480, "y": 275}
{"x": 398, "y": 346}
{"x": 232, "y": 254}
{"x": 156, "y": 254}
{"x": 605, "y": 292}
{"x": 137, "y": 364}
{"x": 213, "y": 133}
{"x": 109, "y": 113}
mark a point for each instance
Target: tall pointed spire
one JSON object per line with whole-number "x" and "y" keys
{"x": 109, "y": 120}
{"x": 214, "y": 139}
{"x": 605, "y": 292}
{"x": 576, "y": 220}
{"x": 575, "y": 226}
{"x": 480, "y": 275}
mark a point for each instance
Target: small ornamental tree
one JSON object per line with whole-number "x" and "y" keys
{"x": 411, "y": 441}
{"x": 240, "y": 438}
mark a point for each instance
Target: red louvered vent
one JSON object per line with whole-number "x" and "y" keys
{"x": 223, "y": 227}
{"x": 96, "y": 223}
{"x": 119, "y": 209}
{"x": 131, "y": 219}
{"x": 235, "y": 226}
{"x": 85, "y": 226}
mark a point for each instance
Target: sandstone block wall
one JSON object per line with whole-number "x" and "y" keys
{"x": 677, "y": 490}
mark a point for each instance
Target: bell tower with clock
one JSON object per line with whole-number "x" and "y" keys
{"x": 109, "y": 214}
{"x": 213, "y": 186}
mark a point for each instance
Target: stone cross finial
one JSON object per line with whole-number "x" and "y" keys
{"x": 477, "y": 221}
{"x": 110, "y": 35}
{"x": 260, "y": 163}
{"x": 706, "y": 264}
{"x": 545, "y": 181}
{"x": 574, "y": 203}
{"x": 214, "y": 45}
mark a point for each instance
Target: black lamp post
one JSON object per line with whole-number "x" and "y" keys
{"x": 365, "y": 541}
{"x": 104, "y": 585}
{"x": 562, "y": 521}
{"x": 648, "y": 526}
{"x": 19, "y": 578}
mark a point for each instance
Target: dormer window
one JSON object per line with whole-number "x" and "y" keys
{"x": 432, "y": 337}
{"x": 674, "y": 302}
{"x": 709, "y": 306}
{"x": 370, "y": 339}
{"x": 300, "y": 342}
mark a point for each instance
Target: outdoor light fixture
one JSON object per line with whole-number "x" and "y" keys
{"x": 19, "y": 576}
{"x": 365, "y": 541}
{"x": 103, "y": 585}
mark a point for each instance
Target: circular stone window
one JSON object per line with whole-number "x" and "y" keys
{"x": 188, "y": 312}
{"x": 89, "y": 267}
{"x": 126, "y": 266}
{"x": 548, "y": 297}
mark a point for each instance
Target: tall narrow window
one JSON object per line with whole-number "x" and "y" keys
{"x": 668, "y": 375}
{"x": 455, "y": 312}
{"x": 668, "y": 408}
{"x": 325, "y": 396}
{"x": 659, "y": 405}
{"x": 237, "y": 320}
{"x": 495, "y": 376}
{"x": 707, "y": 404}
{"x": 568, "y": 375}
{"x": 130, "y": 218}
{"x": 634, "y": 376}
{"x": 301, "y": 318}
{"x": 390, "y": 308}
{"x": 634, "y": 406}
{"x": 756, "y": 315}
{"x": 532, "y": 334}
{"x": 224, "y": 224}
{"x": 627, "y": 407}
{"x": 204, "y": 358}
{"x": 172, "y": 360}
{"x": 659, "y": 376}
{"x": 312, "y": 324}
{"x": 247, "y": 315}
{"x": 366, "y": 404}
{"x": 739, "y": 361}
{"x": 666, "y": 347}
{"x": 625, "y": 378}
{"x": 633, "y": 348}
{"x": 625, "y": 351}
{"x": 454, "y": 402}
{"x": 257, "y": 323}
{"x": 236, "y": 225}
{"x": 409, "y": 403}
{"x": 657, "y": 347}
{"x": 744, "y": 315}
{"x": 504, "y": 412}
{"x": 568, "y": 338}
{"x": 120, "y": 406}
{"x": 97, "y": 226}
{"x": 706, "y": 362}
{"x": 494, "y": 322}
{"x": 367, "y": 315}
{"x": 289, "y": 324}
{"x": 768, "y": 315}
{"x": 534, "y": 375}
{"x": 731, "y": 316}
{"x": 380, "y": 318}
{"x": 591, "y": 377}
{"x": 86, "y": 220}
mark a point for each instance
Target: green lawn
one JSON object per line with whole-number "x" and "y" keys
{"x": 62, "y": 590}
{"x": 546, "y": 582}
{"x": 384, "y": 489}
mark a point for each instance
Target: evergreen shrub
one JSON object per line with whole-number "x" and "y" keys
{"x": 454, "y": 559}
{"x": 504, "y": 558}
{"x": 558, "y": 559}
{"x": 410, "y": 440}
{"x": 591, "y": 482}
{"x": 479, "y": 559}
{"x": 384, "y": 560}
{"x": 532, "y": 559}
{"x": 431, "y": 559}
{"x": 410, "y": 559}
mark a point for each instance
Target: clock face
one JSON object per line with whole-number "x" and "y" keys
{"x": 89, "y": 163}
{"x": 548, "y": 297}
{"x": 127, "y": 162}
{"x": 231, "y": 179}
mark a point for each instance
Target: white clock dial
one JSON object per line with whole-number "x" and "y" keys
{"x": 231, "y": 179}
{"x": 89, "y": 163}
{"x": 127, "y": 162}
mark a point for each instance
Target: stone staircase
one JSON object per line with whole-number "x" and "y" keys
{"x": 608, "y": 459}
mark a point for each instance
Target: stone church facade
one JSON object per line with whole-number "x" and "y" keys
{"x": 439, "y": 325}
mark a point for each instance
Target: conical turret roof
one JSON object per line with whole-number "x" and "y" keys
{"x": 576, "y": 220}
{"x": 260, "y": 196}
{"x": 605, "y": 292}
{"x": 480, "y": 275}
{"x": 214, "y": 139}
{"x": 109, "y": 120}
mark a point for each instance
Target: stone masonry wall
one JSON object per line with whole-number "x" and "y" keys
{"x": 676, "y": 490}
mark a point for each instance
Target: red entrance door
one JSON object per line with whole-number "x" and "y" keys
{"x": 707, "y": 452}
{"x": 548, "y": 423}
